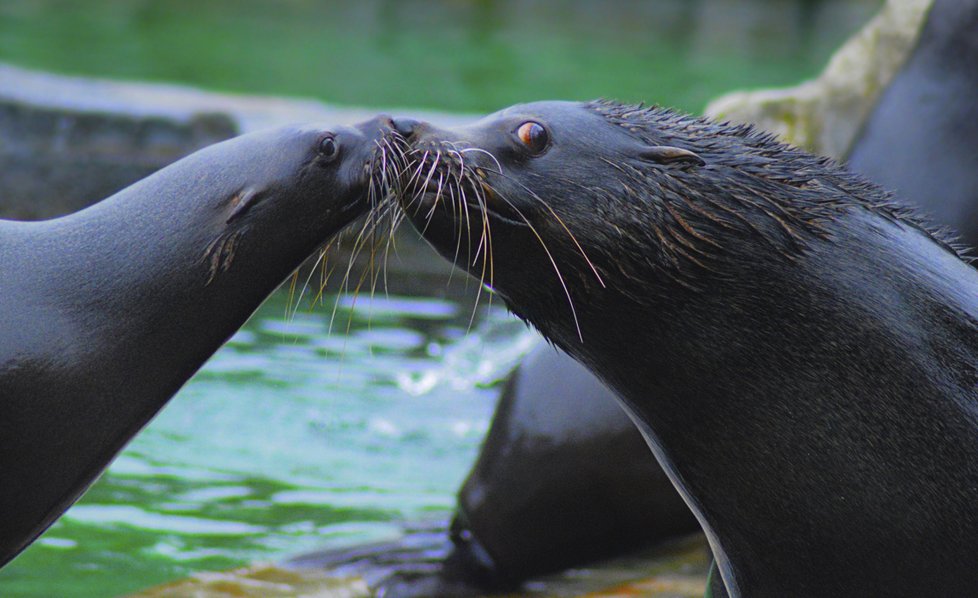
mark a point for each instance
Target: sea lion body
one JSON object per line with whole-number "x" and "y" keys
{"x": 582, "y": 494}
{"x": 800, "y": 355}
{"x": 109, "y": 311}
{"x": 921, "y": 141}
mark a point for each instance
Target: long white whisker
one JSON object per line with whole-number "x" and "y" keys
{"x": 553, "y": 262}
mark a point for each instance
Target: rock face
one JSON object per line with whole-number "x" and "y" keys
{"x": 824, "y": 115}
{"x": 67, "y": 142}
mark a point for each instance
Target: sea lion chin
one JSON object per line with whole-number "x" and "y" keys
{"x": 799, "y": 353}
{"x": 109, "y": 311}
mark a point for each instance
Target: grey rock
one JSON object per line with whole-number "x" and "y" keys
{"x": 825, "y": 114}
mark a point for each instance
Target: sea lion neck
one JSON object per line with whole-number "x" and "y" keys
{"x": 109, "y": 311}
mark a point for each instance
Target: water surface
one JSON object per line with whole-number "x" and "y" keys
{"x": 290, "y": 439}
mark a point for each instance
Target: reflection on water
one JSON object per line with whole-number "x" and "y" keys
{"x": 291, "y": 438}
{"x": 473, "y": 55}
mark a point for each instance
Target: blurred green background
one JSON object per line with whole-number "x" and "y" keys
{"x": 296, "y": 437}
{"x": 456, "y": 55}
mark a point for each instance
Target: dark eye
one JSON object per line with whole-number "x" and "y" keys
{"x": 328, "y": 148}
{"x": 533, "y": 136}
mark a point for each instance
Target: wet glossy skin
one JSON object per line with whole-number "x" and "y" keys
{"x": 922, "y": 138}
{"x": 588, "y": 489}
{"x": 108, "y": 311}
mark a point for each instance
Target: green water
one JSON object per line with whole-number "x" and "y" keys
{"x": 292, "y": 437}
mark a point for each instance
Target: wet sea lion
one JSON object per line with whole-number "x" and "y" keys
{"x": 799, "y": 353}
{"x": 107, "y": 312}
{"x": 921, "y": 141}
{"x": 587, "y": 489}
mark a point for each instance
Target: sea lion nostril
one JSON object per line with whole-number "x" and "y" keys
{"x": 406, "y": 126}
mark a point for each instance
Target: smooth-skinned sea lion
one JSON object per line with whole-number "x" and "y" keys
{"x": 107, "y": 312}
{"x": 582, "y": 493}
{"x": 799, "y": 353}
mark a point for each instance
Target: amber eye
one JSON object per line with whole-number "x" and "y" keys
{"x": 533, "y": 136}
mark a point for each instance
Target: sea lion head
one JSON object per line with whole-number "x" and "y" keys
{"x": 557, "y": 194}
{"x": 291, "y": 189}
{"x": 564, "y": 206}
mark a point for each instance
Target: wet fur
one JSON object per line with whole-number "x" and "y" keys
{"x": 752, "y": 186}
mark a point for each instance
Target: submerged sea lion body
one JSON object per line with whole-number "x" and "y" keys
{"x": 801, "y": 356}
{"x": 109, "y": 311}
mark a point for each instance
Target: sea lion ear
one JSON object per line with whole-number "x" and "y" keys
{"x": 667, "y": 154}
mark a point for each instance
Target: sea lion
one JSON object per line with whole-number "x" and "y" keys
{"x": 107, "y": 312}
{"x": 583, "y": 493}
{"x": 800, "y": 354}
{"x": 922, "y": 138}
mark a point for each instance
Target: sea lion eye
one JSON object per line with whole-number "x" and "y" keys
{"x": 533, "y": 136}
{"x": 328, "y": 148}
